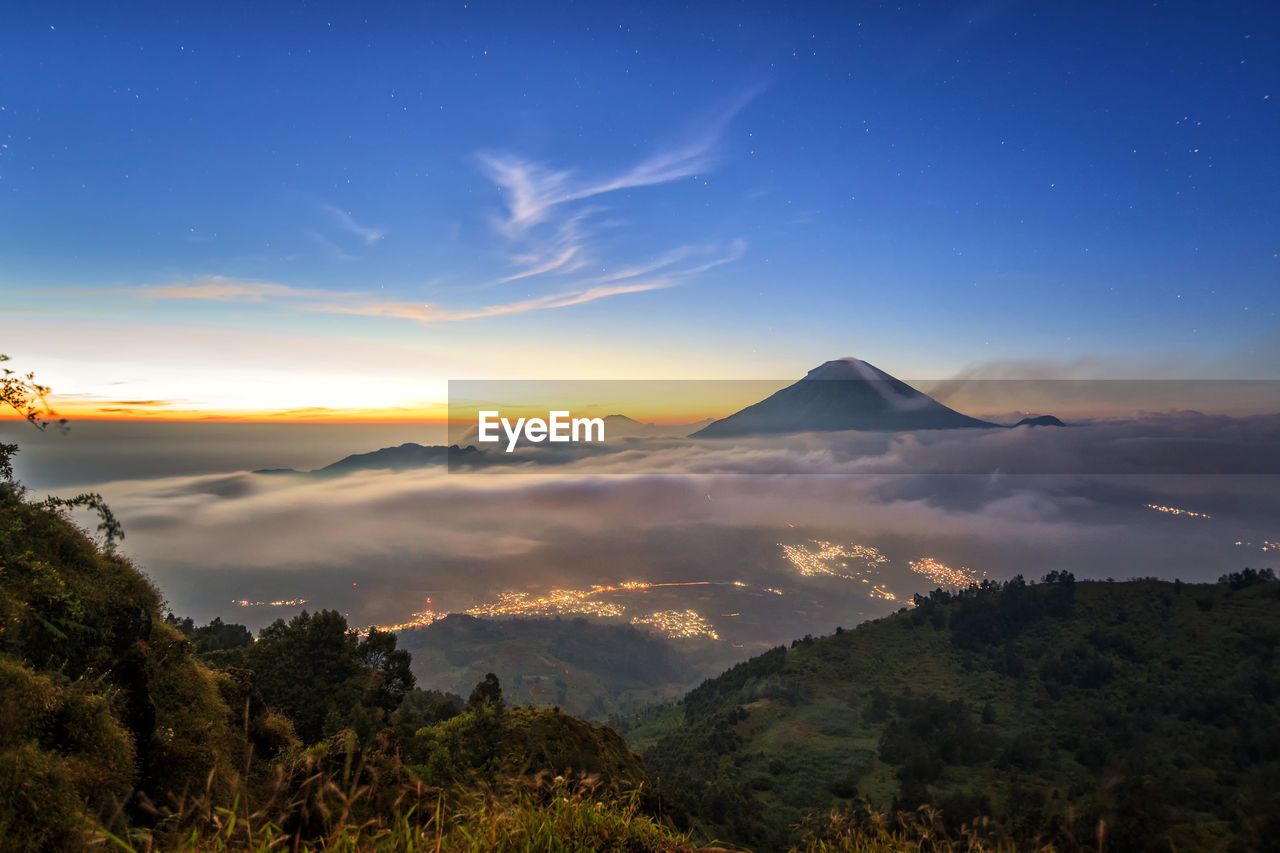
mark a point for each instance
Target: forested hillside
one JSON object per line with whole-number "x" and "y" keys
{"x": 1143, "y": 713}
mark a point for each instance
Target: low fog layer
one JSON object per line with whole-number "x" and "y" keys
{"x": 377, "y": 545}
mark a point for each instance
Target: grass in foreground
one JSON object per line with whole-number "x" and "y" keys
{"x": 551, "y": 814}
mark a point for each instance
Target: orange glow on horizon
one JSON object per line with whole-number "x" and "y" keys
{"x": 664, "y": 403}
{"x": 75, "y": 407}
{"x": 78, "y": 408}
{"x": 437, "y": 414}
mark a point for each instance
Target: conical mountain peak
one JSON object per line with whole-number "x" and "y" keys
{"x": 842, "y": 394}
{"x": 847, "y": 368}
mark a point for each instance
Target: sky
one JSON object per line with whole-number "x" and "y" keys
{"x": 327, "y": 211}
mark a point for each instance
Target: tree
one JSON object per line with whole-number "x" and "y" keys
{"x": 325, "y": 677}
{"x": 304, "y": 668}
{"x": 468, "y": 743}
{"x": 487, "y": 692}
{"x": 27, "y": 397}
{"x": 389, "y": 676}
{"x": 215, "y": 637}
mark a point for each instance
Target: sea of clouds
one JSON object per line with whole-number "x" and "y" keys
{"x": 378, "y": 544}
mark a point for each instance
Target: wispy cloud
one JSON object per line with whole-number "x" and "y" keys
{"x": 331, "y": 248}
{"x": 427, "y": 313}
{"x": 548, "y": 230}
{"x": 545, "y": 230}
{"x": 655, "y": 277}
{"x": 220, "y": 289}
{"x": 562, "y": 262}
{"x": 659, "y": 275}
{"x": 532, "y": 191}
{"x": 217, "y": 288}
{"x": 367, "y": 234}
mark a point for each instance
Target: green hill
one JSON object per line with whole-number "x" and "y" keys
{"x": 1143, "y": 711}
{"x": 104, "y": 707}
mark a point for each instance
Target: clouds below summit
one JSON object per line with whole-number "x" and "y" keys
{"x": 377, "y": 544}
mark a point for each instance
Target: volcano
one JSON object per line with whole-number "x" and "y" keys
{"x": 845, "y": 394}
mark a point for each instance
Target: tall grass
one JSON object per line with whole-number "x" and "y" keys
{"x": 541, "y": 814}
{"x": 357, "y": 810}
{"x": 863, "y": 829}
{"x": 360, "y": 810}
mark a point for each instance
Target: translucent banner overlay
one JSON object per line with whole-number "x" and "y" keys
{"x": 828, "y": 427}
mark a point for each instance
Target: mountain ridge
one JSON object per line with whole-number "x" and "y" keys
{"x": 842, "y": 394}
{"x": 401, "y": 457}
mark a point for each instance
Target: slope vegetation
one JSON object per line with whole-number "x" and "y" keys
{"x": 1143, "y": 713}
{"x": 103, "y": 707}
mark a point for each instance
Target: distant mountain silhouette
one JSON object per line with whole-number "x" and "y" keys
{"x": 1040, "y": 420}
{"x": 402, "y": 458}
{"x": 621, "y": 426}
{"x": 845, "y": 394}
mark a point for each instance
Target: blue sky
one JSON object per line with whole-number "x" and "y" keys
{"x": 226, "y": 208}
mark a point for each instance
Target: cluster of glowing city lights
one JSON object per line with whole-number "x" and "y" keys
{"x": 421, "y": 619}
{"x": 565, "y": 602}
{"x": 828, "y": 558}
{"x": 832, "y": 559}
{"x": 582, "y": 602}
{"x": 1173, "y": 510}
{"x": 685, "y": 624}
{"x": 285, "y": 602}
{"x": 819, "y": 558}
{"x": 557, "y": 602}
{"x": 862, "y": 563}
{"x": 943, "y": 575}
{"x": 1265, "y": 545}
